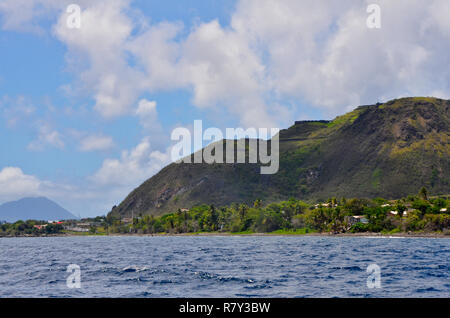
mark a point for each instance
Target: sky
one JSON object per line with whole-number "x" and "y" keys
{"x": 86, "y": 114}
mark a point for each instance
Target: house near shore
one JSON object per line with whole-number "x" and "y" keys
{"x": 76, "y": 229}
{"x": 81, "y": 227}
{"x": 54, "y": 222}
{"x": 403, "y": 214}
{"x": 355, "y": 219}
{"x": 325, "y": 205}
{"x": 83, "y": 224}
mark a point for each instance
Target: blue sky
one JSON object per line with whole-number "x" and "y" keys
{"x": 86, "y": 114}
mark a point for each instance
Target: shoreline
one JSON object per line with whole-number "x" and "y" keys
{"x": 367, "y": 235}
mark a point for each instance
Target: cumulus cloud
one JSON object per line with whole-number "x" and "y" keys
{"x": 158, "y": 53}
{"x": 96, "y": 143}
{"x": 14, "y": 182}
{"x": 146, "y": 108}
{"x": 100, "y": 43}
{"x": 147, "y": 113}
{"x": 24, "y": 15}
{"x": 319, "y": 53}
{"x": 323, "y": 53}
{"x": 222, "y": 68}
{"x": 217, "y": 64}
{"x": 133, "y": 167}
{"x": 273, "y": 54}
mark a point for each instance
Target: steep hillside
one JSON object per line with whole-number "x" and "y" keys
{"x": 385, "y": 150}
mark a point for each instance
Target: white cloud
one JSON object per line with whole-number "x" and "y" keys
{"x": 148, "y": 118}
{"x": 217, "y": 64}
{"x": 146, "y": 108}
{"x": 223, "y": 70}
{"x": 23, "y": 14}
{"x": 96, "y": 143}
{"x": 88, "y": 199}
{"x": 320, "y": 53}
{"x": 100, "y": 43}
{"x": 15, "y": 185}
{"x": 14, "y": 182}
{"x": 46, "y": 137}
{"x": 323, "y": 53}
{"x": 158, "y": 53}
{"x": 133, "y": 167}
{"x": 91, "y": 197}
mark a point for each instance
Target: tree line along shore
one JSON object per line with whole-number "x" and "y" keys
{"x": 415, "y": 214}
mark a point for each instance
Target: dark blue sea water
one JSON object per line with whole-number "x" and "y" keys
{"x": 224, "y": 266}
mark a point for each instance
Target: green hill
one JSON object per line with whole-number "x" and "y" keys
{"x": 386, "y": 150}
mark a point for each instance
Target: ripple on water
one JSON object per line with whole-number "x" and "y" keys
{"x": 224, "y": 267}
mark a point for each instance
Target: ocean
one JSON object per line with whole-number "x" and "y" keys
{"x": 224, "y": 266}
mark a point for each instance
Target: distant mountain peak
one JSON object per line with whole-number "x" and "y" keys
{"x": 33, "y": 208}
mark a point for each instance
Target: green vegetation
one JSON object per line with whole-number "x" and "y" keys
{"x": 345, "y": 119}
{"x": 385, "y": 150}
{"x": 30, "y": 228}
{"x": 294, "y": 217}
{"x": 417, "y": 214}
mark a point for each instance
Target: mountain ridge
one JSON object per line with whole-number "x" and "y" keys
{"x": 388, "y": 149}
